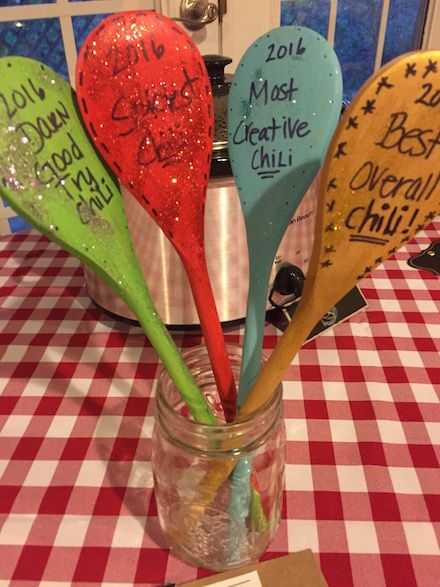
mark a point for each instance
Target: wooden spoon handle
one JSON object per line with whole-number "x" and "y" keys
{"x": 140, "y": 301}
{"x": 260, "y": 266}
{"x": 197, "y": 273}
{"x": 307, "y": 314}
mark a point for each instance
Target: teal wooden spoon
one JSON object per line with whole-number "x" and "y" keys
{"x": 284, "y": 104}
{"x": 52, "y": 176}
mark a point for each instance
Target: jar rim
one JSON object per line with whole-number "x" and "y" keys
{"x": 274, "y": 399}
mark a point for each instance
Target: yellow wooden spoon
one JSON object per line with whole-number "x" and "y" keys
{"x": 380, "y": 185}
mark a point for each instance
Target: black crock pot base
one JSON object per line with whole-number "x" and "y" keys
{"x": 230, "y": 324}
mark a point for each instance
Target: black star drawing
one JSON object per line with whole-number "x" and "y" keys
{"x": 410, "y": 69}
{"x": 378, "y": 261}
{"x": 383, "y": 84}
{"x": 430, "y": 216}
{"x": 369, "y": 107}
{"x": 340, "y": 152}
{"x": 332, "y": 184}
{"x": 352, "y": 122}
{"x": 368, "y": 269}
{"x": 359, "y": 276}
{"x": 330, "y": 205}
{"x": 326, "y": 263}
{"x": 430, "y": 68}
{"x": 330, "y": 227}
{"x": 420, "y": 227}
{"x": 330, "y": 249}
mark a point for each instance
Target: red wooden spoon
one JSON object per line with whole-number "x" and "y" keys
{"x": 146, "y": 99}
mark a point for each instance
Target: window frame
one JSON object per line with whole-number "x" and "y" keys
{"x": 239, "y": 30}
{"x": 64, "y": 10}
{"x": 431, "y": 33}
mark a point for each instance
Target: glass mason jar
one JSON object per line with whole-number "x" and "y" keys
{"x": 209, "y": 517}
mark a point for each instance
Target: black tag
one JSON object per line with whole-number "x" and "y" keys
{"x": 428, "y": 259}
{"x": 350, "y": 304}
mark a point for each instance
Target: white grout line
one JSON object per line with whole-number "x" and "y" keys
{"x": 381, "y": 37}
{"x": 332, "y": 22}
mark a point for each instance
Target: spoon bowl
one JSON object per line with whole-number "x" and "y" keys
{"x": 52, "y": 176}
{"x": 284, "y": 104}
{"x": 379, "y": 186}
{"x": 146, "y": 98}
{"x": 376, "y": 158}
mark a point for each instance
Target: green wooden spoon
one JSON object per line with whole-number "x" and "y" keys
{"x": 52, "y": 176}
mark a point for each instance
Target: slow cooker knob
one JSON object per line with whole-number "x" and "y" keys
{"x": 288, "y": 281}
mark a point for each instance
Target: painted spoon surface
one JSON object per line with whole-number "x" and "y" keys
{"x": 380, "y": 185}
{"x": 284, "y": 105}
{"x": 146, "y": 99}
{"x": 52, "y": 176}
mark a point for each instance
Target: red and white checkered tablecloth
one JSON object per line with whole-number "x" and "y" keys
{"x": 363, "y": 424}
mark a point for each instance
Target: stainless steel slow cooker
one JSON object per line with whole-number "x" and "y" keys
{"x": 225, "y": 238}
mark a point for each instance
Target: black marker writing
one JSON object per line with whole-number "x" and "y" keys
{"x": 20, "y": 98}
{"x": 165, "y": 149}
{"x": 55, "y": 169}
{"x": 414, "y": 142}
{"x": 373, "y": 177}
{"x": 282, "y": 51}
{"x": 43, "y": 128}
{"x": 277, "y": 93}
{"x": 98, "y": 194}
{"x": 131, "y": 111}
{"x": 124, "y": 56}
{"x": 378, "y": 221}
{"x": 271, "y": 160}
{"x": 247, "y": 132}
{"x": 431, "y": 101}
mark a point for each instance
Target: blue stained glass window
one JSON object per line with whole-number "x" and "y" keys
{"x": 16, "y": 224}
{"x": 39, "y": 39}
{"x": 24, "y": 2}
{"x": 357, "y": 30}
{"x": 404, "y": 32}
{"x": 82, "y": 25}
{"x": 311, "y": 14}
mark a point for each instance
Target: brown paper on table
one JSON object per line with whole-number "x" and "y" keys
{"x": 298, "y": 569}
